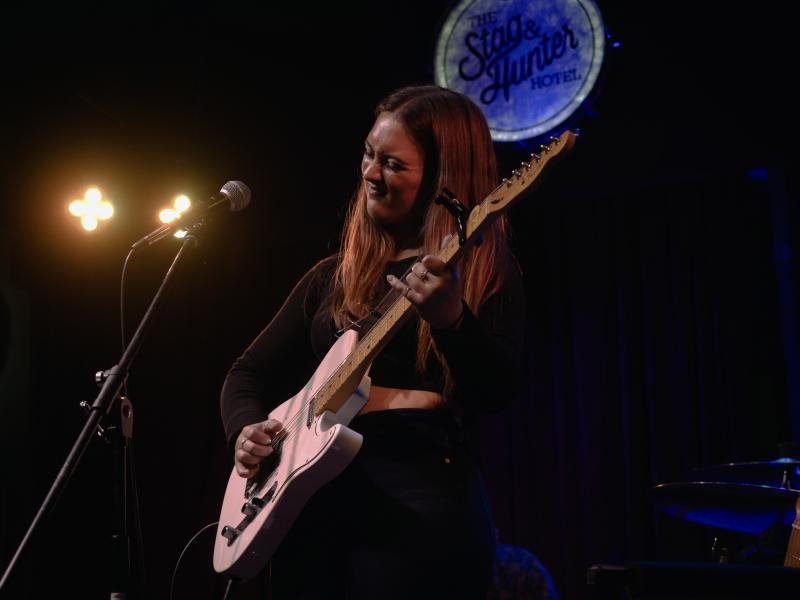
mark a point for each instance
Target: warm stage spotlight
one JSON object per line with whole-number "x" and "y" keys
{"x": 91, "y": 209}
{"x": 167, "y": 215}
{"x": 181, "y": 204}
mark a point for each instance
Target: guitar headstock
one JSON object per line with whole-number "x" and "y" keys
{"x": 522, "y": 180}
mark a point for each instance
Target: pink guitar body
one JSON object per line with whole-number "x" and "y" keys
{"x": 257, "y": 513}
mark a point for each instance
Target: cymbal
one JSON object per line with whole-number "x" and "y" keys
{"x": 783, "y": 472}
{"x": 741, "y": 507}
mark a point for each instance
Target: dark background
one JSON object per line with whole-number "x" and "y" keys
{"x": 658, "y": 259}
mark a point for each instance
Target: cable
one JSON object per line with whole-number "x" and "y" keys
{"x": 180, "y": 558}
{"x": 128, "y": 447}
{"x": 137, "y": 514}
{"x": 228, "y": 589}
{"x": 122, "y": 311}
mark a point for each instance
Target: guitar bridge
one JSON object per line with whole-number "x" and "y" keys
{"x": 265, "y": 470}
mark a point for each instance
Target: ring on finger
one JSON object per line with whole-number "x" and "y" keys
{"x": 242, "y": 444}
{"x": 423, "y": 275}
{"x": 407, "y": 292}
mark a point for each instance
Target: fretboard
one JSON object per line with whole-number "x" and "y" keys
{"x": 345, "y": 379}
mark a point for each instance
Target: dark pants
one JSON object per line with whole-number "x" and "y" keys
{"x": 407, "y": 519}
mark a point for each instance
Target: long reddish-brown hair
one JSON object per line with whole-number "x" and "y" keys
{"x": 457, "y": 148}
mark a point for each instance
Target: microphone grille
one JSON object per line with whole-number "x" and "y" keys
{"x": 238, "y": 193}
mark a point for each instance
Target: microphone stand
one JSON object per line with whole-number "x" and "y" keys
{"x": 114, "y": 379}
{"x": 125, "y": 491}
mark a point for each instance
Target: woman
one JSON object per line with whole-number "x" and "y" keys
{"x": 407, "y": 518}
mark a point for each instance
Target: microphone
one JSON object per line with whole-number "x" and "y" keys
{"x": 235, "y": 195}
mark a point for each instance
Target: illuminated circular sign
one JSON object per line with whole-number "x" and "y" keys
{"x": 529, "y": 64}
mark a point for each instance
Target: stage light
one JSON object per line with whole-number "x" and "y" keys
{"x": 167, "y": 215}
{"x": 76, "y": 208}
{"x": 105, "y": 210}
{"x": 93, "y": 195}
{"x": 180, "y": 205}
{"x": 91, "y": 209}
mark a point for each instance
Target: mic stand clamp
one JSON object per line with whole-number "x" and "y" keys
{"x": 102, "y": 432}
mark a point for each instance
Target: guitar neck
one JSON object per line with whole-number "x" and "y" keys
{"x": 333, "y": 394}
{"x": 342, "y": 383}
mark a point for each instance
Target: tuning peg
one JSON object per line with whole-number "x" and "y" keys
{"x": 506, "y": 181}
{"x": 526, "y": 165}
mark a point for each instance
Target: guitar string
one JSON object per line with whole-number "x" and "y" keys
{"x": 295, "y": 422}
{"x": 392, "y": 299}
{"x": 387, "y": 304}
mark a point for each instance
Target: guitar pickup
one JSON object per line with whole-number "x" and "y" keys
{"x": 310, "y": 417}
{"x": 268, "y": 466}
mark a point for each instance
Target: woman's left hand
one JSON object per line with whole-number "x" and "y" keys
{"x": 434, "y": 289}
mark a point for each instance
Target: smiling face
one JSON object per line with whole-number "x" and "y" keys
{"x": 392, "y": 168}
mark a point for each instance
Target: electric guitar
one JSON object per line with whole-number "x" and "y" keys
{"x": 315, "y": 444}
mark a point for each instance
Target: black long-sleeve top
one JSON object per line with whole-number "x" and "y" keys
{"x": 484, "y": 354}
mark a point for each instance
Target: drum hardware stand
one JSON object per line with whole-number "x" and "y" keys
{"x": 719, "y": 552}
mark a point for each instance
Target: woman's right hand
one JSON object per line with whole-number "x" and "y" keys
{"x": 253, "y": 445}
